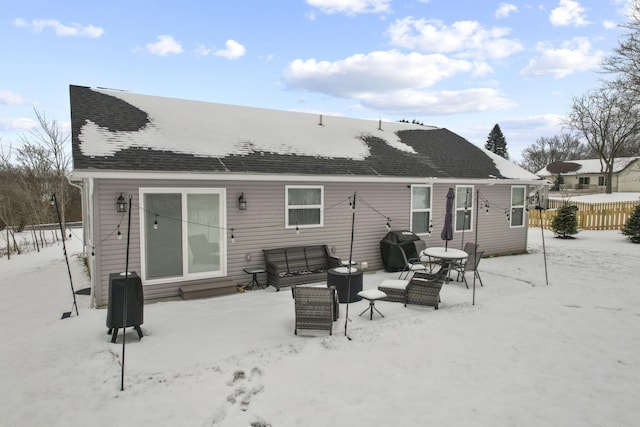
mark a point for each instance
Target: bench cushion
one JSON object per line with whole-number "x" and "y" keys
{"x": 394, "y": 284}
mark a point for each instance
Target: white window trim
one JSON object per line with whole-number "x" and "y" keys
{"x": 185, "y": 253}
{"x": 287, "y": 207}
{"x": 469, "y": 209}
{"x": 412, "y": 210}
{"x": 523, "y": 206}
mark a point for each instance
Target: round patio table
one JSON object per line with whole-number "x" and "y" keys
{"x": 449, "y": 256}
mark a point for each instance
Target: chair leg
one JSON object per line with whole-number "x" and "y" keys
{"x": 478, "y": 275}
{"x": 464, "y": 279}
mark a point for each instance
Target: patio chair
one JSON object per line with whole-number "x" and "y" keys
{"x": 424, "y": 289}
{"x": 410, "y": 265}
{"x": 314, "y": 307}
{"x": 470, "y": 264}
{"x": 421, "y": 245}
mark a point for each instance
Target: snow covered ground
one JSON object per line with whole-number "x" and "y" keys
{"x": 526, "y": 354}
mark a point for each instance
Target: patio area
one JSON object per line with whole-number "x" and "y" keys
{"x": 262, "y": 318}
{"x": 526, "y": 354}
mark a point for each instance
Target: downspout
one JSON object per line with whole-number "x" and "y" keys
{"x": 87, "y": 252}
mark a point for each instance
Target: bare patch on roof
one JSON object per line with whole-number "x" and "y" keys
{"x": 563, "y": 167}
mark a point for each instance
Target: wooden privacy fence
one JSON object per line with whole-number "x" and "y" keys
{"x": 591, "y": 216}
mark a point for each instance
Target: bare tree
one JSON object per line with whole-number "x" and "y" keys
{"x": 624, "y": 63}
{"x": 43, "y": 156}
{"x": 609, "y": 122}
{"x": 557, "y": 148}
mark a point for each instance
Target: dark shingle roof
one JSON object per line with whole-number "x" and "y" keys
{"x": 438, "y": 152}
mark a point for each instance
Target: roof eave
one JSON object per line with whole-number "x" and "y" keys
{"x": 207, "y": 176}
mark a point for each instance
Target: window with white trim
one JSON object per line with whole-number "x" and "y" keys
{"x": 421, "y": 208}
{"x": 182, "y": 233}
{"x": 517, "y": 205}
{"x": 304, "y": 206}
{"x": 464, "y": 207}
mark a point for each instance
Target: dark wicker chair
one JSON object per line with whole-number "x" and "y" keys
{"x": 422, "y": 289}
{"x": 314, "y": 307}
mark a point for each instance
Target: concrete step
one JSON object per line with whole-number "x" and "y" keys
{"x": 206, "y": 290}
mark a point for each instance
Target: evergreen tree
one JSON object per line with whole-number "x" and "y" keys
{"x": 565, "y": 223}
{"x": 632, "y": 227}
{"x": 558, "y": 182}
{"x": 496, "y": 143}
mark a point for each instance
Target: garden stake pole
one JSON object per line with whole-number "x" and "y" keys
{"x": 544, "y": 250}
{"x": 124, "y": 301}
{"x": 64, "y": 249}
{"x": 473, "y": 299}
{"x": 353, "y": 221}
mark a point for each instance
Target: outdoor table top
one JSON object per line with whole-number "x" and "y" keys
{"x": 448, "y": 253}
{"x": 345, "y": 270}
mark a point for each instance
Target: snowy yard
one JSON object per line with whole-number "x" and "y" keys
{"x": 526, "y": 354}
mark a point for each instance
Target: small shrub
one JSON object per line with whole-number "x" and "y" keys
{"x": 631, "y": 229}
{"x": 565, "y": 223}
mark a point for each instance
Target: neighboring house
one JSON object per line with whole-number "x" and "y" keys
{"x": 246, "y": 179}
{"x": 589, "y": 174}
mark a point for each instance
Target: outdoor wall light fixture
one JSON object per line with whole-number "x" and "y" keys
{"x": 121, "y": 205}
{"x": 242, "y": 202}
{"x": 155, "y": 223}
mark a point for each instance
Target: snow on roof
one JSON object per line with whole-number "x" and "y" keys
{"x": 601, "y": 197}
{"x": 217, "y": 130}
{"x": 212, "y": 130}
{"x": 593, "y": 166}
{"x": 508, "y": 169}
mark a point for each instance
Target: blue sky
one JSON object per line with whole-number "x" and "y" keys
{"x": 463, "y": 64}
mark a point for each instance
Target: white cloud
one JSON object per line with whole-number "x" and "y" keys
{"x": 568, "y": 12}
{"x": 375, "y": 71}
{"x": 10, "y": 98}
{"x": 394, "y": 82}
{"x": 437, "y": 102}
{"x": 463, "y": 38}
{"x": 571, "y": 57}
{"x": 609, "y": 25}
{"x": 233, "y": 50}
{"x": 17, "y": 124}
{"x": 351, "y": 7}
{"x": 542, "y": 122}
{"x": 77, "y": 30}
{"x": 164, "y": 46}
{"x": 505, "y": 9}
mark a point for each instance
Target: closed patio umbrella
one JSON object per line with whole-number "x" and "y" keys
{"x": 447, "y": 230}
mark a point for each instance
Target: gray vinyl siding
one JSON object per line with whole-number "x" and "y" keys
{"x": 494, "y": 234}
{"x": 262, "y": 225}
